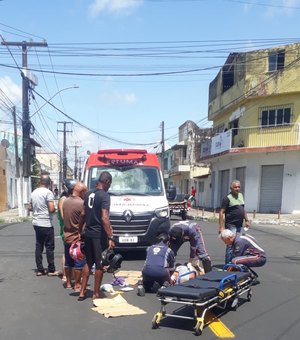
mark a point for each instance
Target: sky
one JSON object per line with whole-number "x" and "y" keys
{"x": 117, "y": 69}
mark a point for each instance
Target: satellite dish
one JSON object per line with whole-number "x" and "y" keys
{"x": 5, "y": 143}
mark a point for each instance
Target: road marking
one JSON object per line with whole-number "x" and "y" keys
{"x": 217, "y": 326}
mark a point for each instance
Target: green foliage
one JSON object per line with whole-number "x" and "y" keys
{"x": 35, "y": 173}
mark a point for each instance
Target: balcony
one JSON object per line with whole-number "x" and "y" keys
{"x": 237, "y": 140}
{"x": 180, "y": 164}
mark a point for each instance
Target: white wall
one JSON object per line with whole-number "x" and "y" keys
{"x": 253, "y": 163}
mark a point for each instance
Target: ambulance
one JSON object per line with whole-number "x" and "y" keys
{"x": 139, "y": 208}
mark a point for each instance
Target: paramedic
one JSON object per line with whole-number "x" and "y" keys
{"x": 159, "y": 264}
{"x": 246, "y": 250}
{"x": 190, "y": 231}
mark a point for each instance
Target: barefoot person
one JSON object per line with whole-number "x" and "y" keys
{"x": 72, "y": 209}
{"x": 97, "y": 232}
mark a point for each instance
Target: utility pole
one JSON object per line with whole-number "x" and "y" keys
{"x": 79, "y": 167}
{"x": 26, "y": 124}
{"x": 16, "y": 143}
{"x": 27, "y": 78}
{"x": 60, "y": 170}
{"x": 162, "y": 147}
{"x": 76, "y": 160}
{"x": 65, "y": 161}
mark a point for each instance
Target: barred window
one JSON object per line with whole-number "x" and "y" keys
{"x": 274, "y": 116}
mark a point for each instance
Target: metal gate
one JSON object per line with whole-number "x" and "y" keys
{"x": 224, "y": 185}
{"x": 240, "y": 176}
{"x": 271, "y": 188}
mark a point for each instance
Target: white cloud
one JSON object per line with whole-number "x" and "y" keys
{"x": 117, "y": 97}
{"x": 11, "y": 90}
{"x": 113, "y": 6}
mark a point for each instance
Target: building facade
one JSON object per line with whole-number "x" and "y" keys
{"x": 254, "y": 104}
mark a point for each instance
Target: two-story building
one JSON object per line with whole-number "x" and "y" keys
{"x": 254, "y": 103}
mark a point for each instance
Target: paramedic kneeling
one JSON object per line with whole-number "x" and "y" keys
{"x": 159, "y": 264}
{"x": 190, "y": 231}
{"x": 246, "y": 250}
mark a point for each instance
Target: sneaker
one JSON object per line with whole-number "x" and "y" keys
{"x": 141, "y": 290}
{"x": 42, "y": 273}
{"x": 166, "y": 284}
{"x": 155, "y": 287}
{"x": 56, "y": 273}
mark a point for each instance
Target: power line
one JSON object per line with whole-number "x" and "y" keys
{"x": 92, "y": 130}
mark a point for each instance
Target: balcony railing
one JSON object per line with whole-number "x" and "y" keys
{"x": 180, "y": 161}
{"x": 252, "y": 137}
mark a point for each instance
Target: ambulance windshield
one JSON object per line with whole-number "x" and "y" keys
{"x": 129, "y": 180}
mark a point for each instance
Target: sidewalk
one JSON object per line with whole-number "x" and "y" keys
{"x": 257, "y": 218}
{"x": 12, "y": 216}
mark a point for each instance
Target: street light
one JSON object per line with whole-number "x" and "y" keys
{"x": 49, "y": 100}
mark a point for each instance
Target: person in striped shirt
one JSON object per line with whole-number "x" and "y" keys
{"x": 246, "y": 250}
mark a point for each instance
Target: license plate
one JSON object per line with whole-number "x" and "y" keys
{"x": 128, "y": 239}
{"x": 176, "y": 211}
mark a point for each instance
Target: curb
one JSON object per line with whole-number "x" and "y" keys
{"x": 295, "y": 223}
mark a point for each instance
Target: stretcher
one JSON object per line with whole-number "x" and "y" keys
{"x": 216, "y": 289}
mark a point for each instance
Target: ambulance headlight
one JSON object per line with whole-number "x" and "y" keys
{"x": 162, "y": 212}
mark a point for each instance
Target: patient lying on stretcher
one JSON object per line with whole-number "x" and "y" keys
{"x": 185, "y": 272}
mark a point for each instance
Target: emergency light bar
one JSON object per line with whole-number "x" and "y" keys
{"x": 122, "y": 151}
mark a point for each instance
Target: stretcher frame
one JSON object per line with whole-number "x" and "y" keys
{"x": 228, "y": 293}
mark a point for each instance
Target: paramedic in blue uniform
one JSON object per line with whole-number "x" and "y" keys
{"x": 187, "y": 231}
{"x": 246, "y": 250}
{"x": 159, "y": 264}
{"x": 233, "y": 207}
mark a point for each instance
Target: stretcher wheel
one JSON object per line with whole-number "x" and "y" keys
{"x": 234, "y": 304}
{"x": 198, "y": 328}
{"x": 155, "y": 321}
{"x": 249, "y": 295}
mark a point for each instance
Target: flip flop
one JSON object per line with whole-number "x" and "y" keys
{"x": 81, "y": 298}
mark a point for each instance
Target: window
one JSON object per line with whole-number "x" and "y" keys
{"x": 200, "y": 186}
{"x": 228, "y": 77}
{"x": 274, "y": 116}
{"x": 218, "y": 129}
{"x": 276, "y": 61}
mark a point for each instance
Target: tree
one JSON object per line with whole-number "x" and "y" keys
{"x": 35, "y": 173}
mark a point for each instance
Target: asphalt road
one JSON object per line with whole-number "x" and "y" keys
{"x": 39, "y": 308}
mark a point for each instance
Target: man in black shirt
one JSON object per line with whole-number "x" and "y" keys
{"x": 98, "y": 234}
{"x": 233, "y": 207}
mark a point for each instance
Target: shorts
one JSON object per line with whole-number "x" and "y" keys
{"x": 69, "y": 262}
{"x": 93, "y": 251}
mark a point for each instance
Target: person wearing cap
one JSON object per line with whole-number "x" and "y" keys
{"x": 72, "y": 209}
{"x": 187, "y": 231}
{"x": 246, "y": 250}
{"x": 42, "y": 206}
{"x": 98, "y": 234}
{"x": 159, "y": 264}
